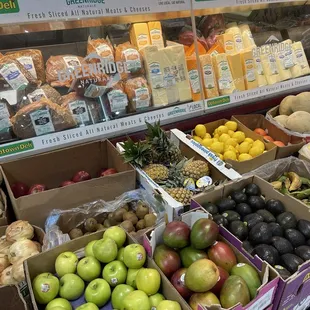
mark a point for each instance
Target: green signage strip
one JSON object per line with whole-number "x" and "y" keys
{"x": 9, "y": 6}
{"x": 218, "y": 101}
{"x": 16, "y": 148}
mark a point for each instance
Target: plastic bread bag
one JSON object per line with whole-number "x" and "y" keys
{"x": 100, "y": 49}
{"x": 60, "y": 224}
{"x": 6, "y": 112}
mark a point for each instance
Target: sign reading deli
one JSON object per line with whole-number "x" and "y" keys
{"x": 9, "y": 6}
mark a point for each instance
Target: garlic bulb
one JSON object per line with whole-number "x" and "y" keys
{"x": 19, "y": 230}
{"x": 7, "y": 277}
{"x": 18, "y": 270}
{"x": 22, "y": 249}
{"x": 4, "y": 262}
{"x": 4, "y": 245}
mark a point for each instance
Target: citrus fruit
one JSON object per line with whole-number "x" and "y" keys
{"x": 239, "y": 136}
{"x": 260, "y": 131}
{"x": 230, "y": 155}
{"x": 207, "y": 142}
{"x": 268, "y": 138}
{"x": 259, "y": 144}
{"x": 231, "y": 125}
{"x": 215, "y": 140}
{"x": 255, "y": 151}
{"x": 224, "y": 137}
{"x": 279, "y": 143}
{"x": 222, "y": 129}
{"x": 217, "y": 147}
{"x": 231, "y": 141}
{"x": 198, "y": 139}
{"x": 251, "y": 141}
{"x": 200, "y": 130}
{"x": 230, "y": 132}
{"x": 244, "y": 147}
{"x": 216, "y": 136}
{"x": 243, "y": 157}
{"x": 207, "y": 136}
{"x": 229, "y": 148}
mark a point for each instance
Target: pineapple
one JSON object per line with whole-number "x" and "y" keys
{"x": 180, "y": 194}
{"x": 157, "y": 172}
{"x": 195, "y": 169}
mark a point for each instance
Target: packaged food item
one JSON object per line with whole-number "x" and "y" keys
{"x": 235, "y": 31}
{"x": 41, "y": 117}
{"x": 6, "y": 112}
{"x": 102, "y": 48}
{"x": 139, "y": 35}
{"x": 116, "y": 100}
{"x": 270, "y": 66}
{"x": 284, "y": 59}
{"x": 156, "y": 34}
{"x": 300, "y": 60}
{"x": 247, "y": 37}
{"x": 193, "y": 77}
{"x": 216, "y": 49}
{"x": 249, "y": 69}
{"x": 261, "y": 78}
{"x": 229, "y": 43}
{"x": 139, "y": 94}
{"x": 45, "y": 91}
{"x": 235, "y": 64}
{"x": 192, "y": 50}
{"x": 131, "y": 59}
{"x": 32, "y": 60}
{"x": 60, "y": 66}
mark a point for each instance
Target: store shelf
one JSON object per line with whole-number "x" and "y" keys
{"x": 135, "y": 123}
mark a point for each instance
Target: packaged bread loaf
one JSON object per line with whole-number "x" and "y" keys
{"x": 40, "y": 118}
{"x": 33, "y": 62}
{"x": 102, "y": 48}
{"x": 131, "y": 60}
{"x": 139, "y": 94}
{"x": 6, "y": 112}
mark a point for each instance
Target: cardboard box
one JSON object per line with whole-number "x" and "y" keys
{"x": 16, "y": 297}
{"x": 293, "y": 291}
{"x": 253, "y": 121}
{"x": 269, "y": 278}
{"x": 52, "y": 168}
{"x": 45, "y": 262}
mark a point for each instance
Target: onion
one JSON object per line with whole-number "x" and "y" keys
{"x": 4, "y": 245}
{"x": 7, "y": 277}
{"x": 19, "y": 230}
{"x": 18, "y": 270}
{"x": 22, "y": 249}
{"x": 4, "y": 262}
{"x": 39, "y": 246}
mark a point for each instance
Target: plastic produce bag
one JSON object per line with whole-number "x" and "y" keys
{"x": 59, "y": 223}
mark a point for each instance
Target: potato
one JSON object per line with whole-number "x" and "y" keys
{"x": 302, "y": 103}
{"x": 281, "y": 119}
{"x": 287, "y": 104}
{"x": 299, "y": 121}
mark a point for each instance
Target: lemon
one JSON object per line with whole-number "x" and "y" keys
{"x": 207, "y": 136}
{"x": 216, "y": 136}
{"x": 217, "y": 147}
{"x": 229, "y": 148}
{"x": 243, "y": 157}
{"x": 231, "y": 125}
{"x": 207, "y": 142}
{"x": 215, "y": 140}
{"x": 230, "y": 155}
{"x": 222, "y": 129}
{"x": 200, "y": 130}
{"x": 239, "y": 136}
{"x": 231, "y": 141}
{"x": 215, "y": 132}
{"x": 255, "y": 151}
{"x": 221, "y": 156}
{"x": 251, "y": 141}
{"x": 198, "y": 139}
{"x": 260, "y": 144}
{"x": 230, "y": 132}
{"x": 224, "y": 137}
{"x": 244, "y": 147}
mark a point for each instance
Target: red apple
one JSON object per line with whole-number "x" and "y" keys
{"x": 109, "y": 171}
{"x": 81, "y": 176}
{"x": 37, "y": 188}
{"x": 19, "y": 189}
{"x": 216, "y": 289}
{"x": 178, "y": 281}
{"x": 66, "y": 183}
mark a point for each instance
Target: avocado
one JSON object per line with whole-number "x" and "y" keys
{"x": 239, "y": 229}
{"x": 243, "y": 209}
{"x": 287, "y": 220}
{"x": 260, "y": 233}
{"x": 268, "y": 253}
{"x": 267, "y": 216}
{"x": 291, "y": 262}
{"x": 303, "y": 252}
{"x": 238, "y": 196}
{"x": 220, "y": 220}
{"x": 252, "y": 190}
{"x": 282, "y": 245}
{"x": 231, "y": 215}
{"x": 295, "y": 237}
{"x": 248, "y": 247}
{"x": 276, "y": 229}
{"x": 256, "y": 202}
{"x": 274, "y": 206}
{"x": 252, "y": 219}
{"x": 304, "y": 227}
{"x": 284, "y": 273}
{"x": 210, "y": 207}
{"x": 225, "y": 204}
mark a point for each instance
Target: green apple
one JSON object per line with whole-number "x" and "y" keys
{"x": 105, "y": 250}
{"x": 59, "y": 302}
{"x": 120, "y": 254}
{"x": 45, "y": 288}
{"x": 131, "y": 277}
{"x": 148, "y": 281}
{"x": 115, "y": 273}
{"x": 136, "y": 300}
{"x": 168, "y": 305}
{"x": 98, "y": 292}
{"x": 66, "y": 262}
{"x": 156, "y": 299}
{"x": 87, "y": 306}
{"x": 89, "y": 249}
{"x": 57, "y": 308}
{"x": 89, "y": 268}
{"x": 71, "y": 286}
{"x": 116, "y": 233}
{"x": 134, "y": 256}
{"x": 119, "y": 293}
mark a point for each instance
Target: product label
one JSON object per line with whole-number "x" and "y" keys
{"x": 133, "y": 61}
{"x": 169, "y": 78}
{"x": 208, "y": 76}
{"x": 79, "y": 111}
{"x": 225, "y": 75}
{"x": 71, "y": 62}
{"x": 142, "y": 97}
{"x": 94, "y": 91}
{"x": 249, "y": 36}
{"x": 286, "y": 59}
{"x": 250, "y": 70}
{"x": 156, "y": 75}
{"x": 229, "y": 46}
{"x": 259, "y": 67}
{"x": 36, "y": 95}
{"x": 118, "y": 100}
{"x": 9, "y": 6}
{"x": 238, "y": 42}
{"x": 142, "y": 39}
{"x": 194, "y": 81}
{"x": 13, "y": 76}
{"x": 156, "y": 37}
{"x": 299, "y": 58}
{"x": 272, "y": 64}
{"x": 5, "y": 122}
{"x": 104, "y": 51}
{"x": 28, "y": 64}
{"x": 42, "y": 122}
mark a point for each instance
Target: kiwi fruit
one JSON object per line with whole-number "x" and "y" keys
{"x": 107, "y": 223}
{"x": 142, "y": 211}
{"x": 90, "y": 224}
{"x": 118, "y": 214}
{"x": 128, "y": 226}
{"x": 150, "y": 220}
{"x": 99, "y": 227}
{"x": 140, "y": 225}
{"x": 130, "y": 216}
{"x": 112, "y": 219}
{"x": 75, "y": 233}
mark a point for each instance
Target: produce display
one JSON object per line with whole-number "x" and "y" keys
{"x": 203, "y": 270}
{"x": 111, "y": 273}
{"x": 264, "y": 133}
